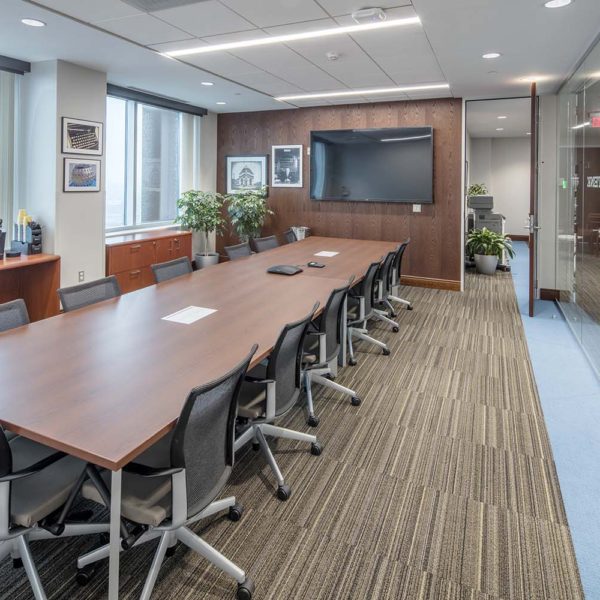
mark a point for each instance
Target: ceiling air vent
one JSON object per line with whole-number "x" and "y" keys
{"x": 154, "y": 5}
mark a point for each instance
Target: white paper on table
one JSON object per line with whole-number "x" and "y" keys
{"x": 326, "y": 253}
{"x": 189, "y": 315}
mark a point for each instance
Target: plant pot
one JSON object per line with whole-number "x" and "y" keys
{"x": 206, "y": 260}
{"x": 2, "y": 243}
{"x": 486, "y": 264}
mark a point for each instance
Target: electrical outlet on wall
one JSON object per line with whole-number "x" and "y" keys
{"x": 81, "y": 276}
{"x": 416, "y": 208}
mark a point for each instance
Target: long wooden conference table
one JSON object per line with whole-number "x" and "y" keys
{"x": 105, "y": 382}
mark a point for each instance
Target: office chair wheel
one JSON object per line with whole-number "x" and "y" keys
{"x": 235, "y": 512}
{"x": 170, "y": 551}
{"x": 104, "y": 539}
{"x": 352, "y": 362}
{"x": 255, "y": 446}
{"x": 386, "y": 351}
{"x": 313, "y": 421}
{"x": 355, "y": 401}
{"x": 245, "y": 590}
{"x": 17, "y": 563}
{"x": 85, "y": 575}
{"x": 395, "y": 329}
{"x": 393, "y": 314}
{"x": 409, "y": 307}
{"x": 316, "y": 449}
{"x": 284, "y": 492}
{"x": 330, "y": 376}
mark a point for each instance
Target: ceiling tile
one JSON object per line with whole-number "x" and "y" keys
{"x": 269, "y": 84}
{"x": 144, "y": 29}
{"x": 222, "y": 63}
{"x": 345, "y": 7}
{"x": 267, "y": 13}
{"x": 92, "y": 11}
{"x": 204, "y": 19}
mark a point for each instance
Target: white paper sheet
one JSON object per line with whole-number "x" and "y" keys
{"x": 326, "y": 253}
{"x": 189, "y": 315}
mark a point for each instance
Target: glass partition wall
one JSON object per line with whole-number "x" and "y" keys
{"x": 578, "y": 204}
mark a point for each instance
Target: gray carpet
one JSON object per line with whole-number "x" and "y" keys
{"x": 440, "y": 485}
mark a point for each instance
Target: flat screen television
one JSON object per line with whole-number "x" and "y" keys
{"x": 372, "y": 165}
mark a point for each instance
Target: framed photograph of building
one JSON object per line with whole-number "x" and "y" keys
{"x": 81, "y": 175}
{"x": 81, "y": 137}
{"x": 245, "y": 173}
{"x": 287, "y": 166}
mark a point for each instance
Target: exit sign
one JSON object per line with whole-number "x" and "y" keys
{"x": 595, "y": 119}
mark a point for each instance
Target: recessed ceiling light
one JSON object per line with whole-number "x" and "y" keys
{"x": 499, "y": 128}
{"x": 491, "y": 55}
{"x": 528, "y": 133}
{"x": 207, "y": 83}
{"x": 392, "y": 90}
{"x": 221, "y": 102}
{"x": 33, "y": 22}
{"x": 502, "y": 117}
{"x": 292, "y": 37}
{"x": 557, "y": 3}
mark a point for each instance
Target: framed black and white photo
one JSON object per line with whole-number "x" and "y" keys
{"x": 246, "y": 173}
{"x": 287, "y": 166}
{"x": 81, "y": 175}
{"x": 81, "y": 137}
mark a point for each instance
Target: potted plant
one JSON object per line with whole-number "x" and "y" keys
{"x": 248, "y": 211}
{"x": 202, "y": 212}
{"x": 477, "y": 189}
{"x": 487, "y": 248}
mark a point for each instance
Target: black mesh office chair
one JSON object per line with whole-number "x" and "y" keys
{"x": 171, "y": 269}
{"x": 321, "y": 349}
{"x": 383, "y": 289}
{"x": 394, "y": 296}
{"x": 290, "y": 236}
{"x": 84, "y": 294}
{"x": 238, "y": 251}
{"x": 34, "y": 482}
{"x": 175, "y": 482}
{"x": 361, "y": 310}
{"x": 269, "y": 392}
{"x": 13, "y": 314}
{"x": 265, "y": 243}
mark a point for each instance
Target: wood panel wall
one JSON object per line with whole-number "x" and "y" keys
{"x": 435, "y": 250}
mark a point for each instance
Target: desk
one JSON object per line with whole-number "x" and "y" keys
{"x": 35, "y": 278}
{"x": 105, "y": 382}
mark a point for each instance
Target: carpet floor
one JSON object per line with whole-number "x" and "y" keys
{"x": 440, "y": 485}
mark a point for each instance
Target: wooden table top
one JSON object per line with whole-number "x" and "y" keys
{"x": 26, "y": 260}
{"x": 142, "y": 236}
{"x": 105, "y": 382}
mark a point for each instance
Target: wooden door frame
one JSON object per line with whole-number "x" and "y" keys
{"x": 533, "y": 190}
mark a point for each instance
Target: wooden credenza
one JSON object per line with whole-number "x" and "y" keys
{"x": 129, "y": 256}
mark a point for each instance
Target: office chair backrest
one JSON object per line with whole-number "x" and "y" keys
{"x": 265, "y": 243}
{"x": 397, "y": 265}
{"x": 285, "y": 362}
{"x": 171, "y": 269}
{"x": 385, "y": 273}
{"x": 13, "y": 314}
{"x": 290, "y": 236}
{"x": 367, "y": 286}
{"x": 78, "y": 296}
{"x": 203, "y": 439}
{"x": 6, "y": 462}
{"x": 238, "y": 251}
{"x": 330, "y": 321}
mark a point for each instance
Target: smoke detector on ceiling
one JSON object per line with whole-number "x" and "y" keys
{"x": 369, "y": 15}
{"x": 332, "y": 56}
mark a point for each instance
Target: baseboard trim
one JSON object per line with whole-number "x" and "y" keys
{"x": 519, "y": 238}
{"x": 549, "y": 294}
{"x": 429, "y": 282}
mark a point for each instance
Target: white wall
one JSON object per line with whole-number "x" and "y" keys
{"x": 503, "y": 164}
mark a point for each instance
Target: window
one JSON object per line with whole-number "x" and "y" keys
{"x": 8, "y": 100}
{"x": 144, "y": 162}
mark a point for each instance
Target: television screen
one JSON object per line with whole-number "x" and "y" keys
{"x": 372, "y": 165}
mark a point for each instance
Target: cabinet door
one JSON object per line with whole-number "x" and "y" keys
{"x": 164, "y": 250}
{"x": 130, "y": 256}
{"x": 182, "y": 246}
{"x": 135, "y": 279}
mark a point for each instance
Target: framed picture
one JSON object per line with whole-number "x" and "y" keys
{"x": 81, "y": 137}
{"x": 81, "y": 175}
{"x": 246, "y": 173}
{"x": 287, "y": 166}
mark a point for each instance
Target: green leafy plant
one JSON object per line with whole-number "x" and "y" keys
{"x": 477, "y": 189}
{"x": 201, "y": 211}
{"x": 489, "y": 243}
{"x": 248, "y": 212}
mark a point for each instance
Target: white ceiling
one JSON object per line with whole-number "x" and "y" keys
{"x": 482, "y": 118}
{"x": 447, "y": 47}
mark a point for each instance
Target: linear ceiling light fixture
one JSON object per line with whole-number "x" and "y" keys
{"x": 391, "y": 90}
{"x": 294, "y": 37}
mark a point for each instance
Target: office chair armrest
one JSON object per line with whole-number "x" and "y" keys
{"x": 251, "y": 379}
{"x": 146, "y": 471}
{"x": 33, "y": 469}
{"x": 315, "y": 333}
